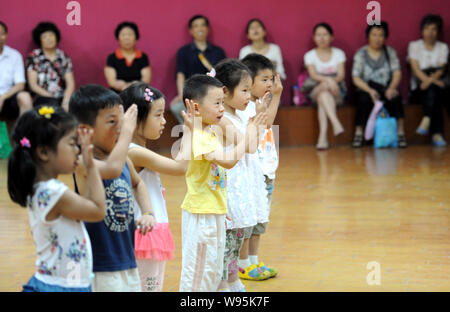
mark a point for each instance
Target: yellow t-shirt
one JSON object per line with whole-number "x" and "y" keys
{"x": 206, "y": 181}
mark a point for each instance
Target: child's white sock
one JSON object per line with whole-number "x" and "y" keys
{"x": 253, "y": 259}
{"x": 244, "y": 263}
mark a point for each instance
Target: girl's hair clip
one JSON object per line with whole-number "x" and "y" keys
{"x": 25, "y": 142}
{"x": 46, "y": 111}
{"x": 148, "y": 95}
{"x": 212, "y": 73}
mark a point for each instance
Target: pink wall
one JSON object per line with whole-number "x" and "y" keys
{"x": 163, "y": 29}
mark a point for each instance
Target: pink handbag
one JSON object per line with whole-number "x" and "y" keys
{"x": 300, "y": 98}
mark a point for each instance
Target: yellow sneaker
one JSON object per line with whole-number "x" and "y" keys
{"x": 253, "y": 273}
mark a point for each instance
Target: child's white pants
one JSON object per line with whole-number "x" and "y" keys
{"x": 203, "y": 240}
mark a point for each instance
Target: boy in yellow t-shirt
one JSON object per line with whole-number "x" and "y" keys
{"x": 205, "y": 204}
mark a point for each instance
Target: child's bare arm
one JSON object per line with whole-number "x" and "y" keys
{"x": 92, "y": 208}
{"x": 112, "y": 167}
{"x": 231, "y": 135}
{"x": 229, "y": 158}
{"x": 145, "y": 158}
{"x": 147, "y": 221}
{"x": 272, "y": 108}
{"x": 76, "y": 207}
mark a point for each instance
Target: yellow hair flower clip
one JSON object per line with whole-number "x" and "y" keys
{"x": 46, "y": 111}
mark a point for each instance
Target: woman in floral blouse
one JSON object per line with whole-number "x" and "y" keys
{"x": 49, "y": 70}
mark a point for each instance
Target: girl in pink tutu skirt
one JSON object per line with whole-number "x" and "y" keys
{"x": 156, "y": 247}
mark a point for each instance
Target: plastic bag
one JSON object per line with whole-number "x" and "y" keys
{"x": 5, "y": 146}
{"x": 385, "y": 130}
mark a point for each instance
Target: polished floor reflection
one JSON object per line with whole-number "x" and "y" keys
{"x": 341, "y": 220}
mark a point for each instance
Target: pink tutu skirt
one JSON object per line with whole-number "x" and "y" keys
{"x": 157, "y": 244}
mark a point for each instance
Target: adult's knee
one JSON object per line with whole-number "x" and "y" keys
{"x": 325, "y": 95}
{"x": 432, "y": 94}
{"x": 24, "y": 100}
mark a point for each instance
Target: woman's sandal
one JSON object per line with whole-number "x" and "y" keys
{"x": 357, "y": 141}
{"x": 402, "y": 141}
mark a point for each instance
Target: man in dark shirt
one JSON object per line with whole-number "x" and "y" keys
{"x": 197, "y": 57}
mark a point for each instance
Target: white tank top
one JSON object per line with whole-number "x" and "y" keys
{"x": 155, "y": 190}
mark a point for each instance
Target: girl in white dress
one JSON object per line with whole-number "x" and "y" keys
{"x": 246, "y": 197}
{"x": 45, "y": 146}
{"x": 155, "y": 248}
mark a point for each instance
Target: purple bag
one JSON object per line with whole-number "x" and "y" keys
{"x": 370, "y": 126}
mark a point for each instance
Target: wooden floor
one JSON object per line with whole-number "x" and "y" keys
{"x": 333, "y": 212}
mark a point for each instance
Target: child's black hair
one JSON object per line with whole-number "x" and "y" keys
{"x": 230, "y": 72}
{"x": 37, "y": 130}
{"x": 257, "y": 62}
{"x": 42, "y": 28}
{"x": 135, "y": 94}
{"x": 196, "y": 87}
{"x": 89, "y": 99}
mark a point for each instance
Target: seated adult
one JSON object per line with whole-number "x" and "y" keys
{"x": 428, "y": 59}
{"x": 376, "y": 74}
{"x": 127, "y": 64}
{"x": 446, "y": 80}
{"x": 14, "y": 101}
{"x": 326, "y": 68}
{"x": 256, "y": 33}
{"x": 49, "y": 70}
{"x": 197, "y": 57}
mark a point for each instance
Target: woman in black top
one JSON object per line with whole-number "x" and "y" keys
{"x": 127, "y": 64}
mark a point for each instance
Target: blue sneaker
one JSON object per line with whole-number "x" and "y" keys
{"x": 421, "y": 131}
{"x": 439, "y": 143}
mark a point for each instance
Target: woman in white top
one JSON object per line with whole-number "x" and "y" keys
{"x": 256, "y": 33}
{"x": 326, "y": 66}
{"x": 428, "y": 58}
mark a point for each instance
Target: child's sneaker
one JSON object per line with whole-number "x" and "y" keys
{"x": 272, "y": 272}
{"x": 253, "y": 273}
